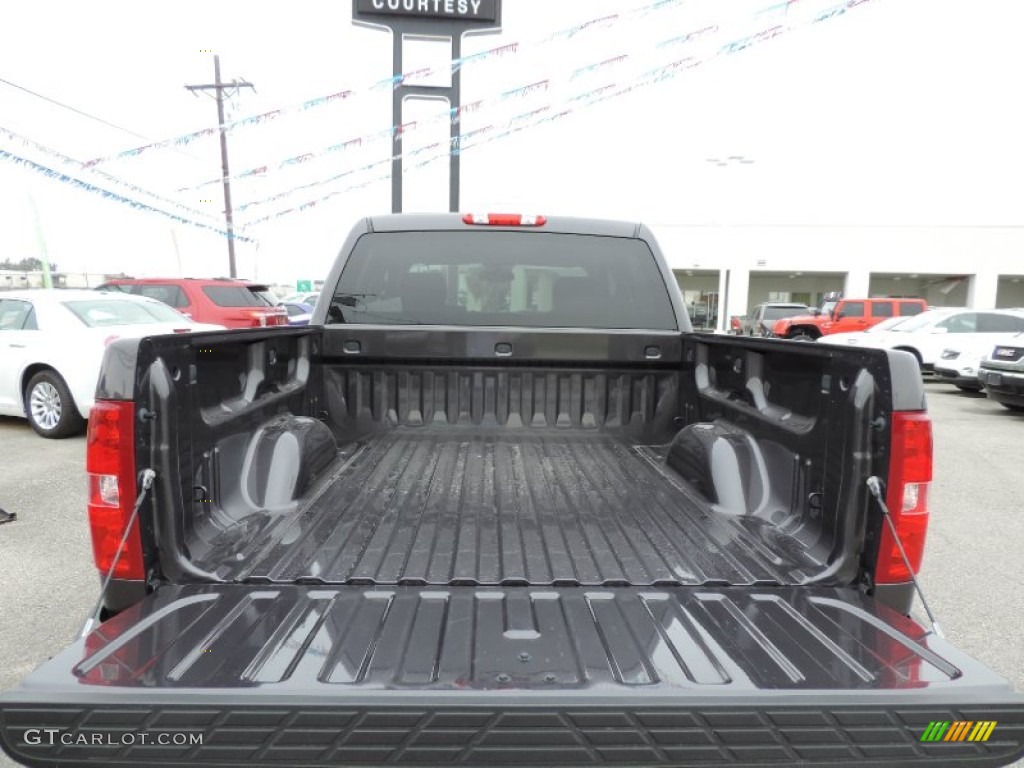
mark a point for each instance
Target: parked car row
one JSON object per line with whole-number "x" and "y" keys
{"x": 841, "y": 315}
{"x": 928, "y": 335}
{"x": 975, "y": 350}
{"x": 228, "y": 302}
{"x": 763, "y": 317}
{"x": 835, "y": 315}
{"x": 52, "y": 343}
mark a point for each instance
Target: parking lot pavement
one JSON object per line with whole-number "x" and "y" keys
{"x": 48, "y": 581}
{"x": 973, "y": 572}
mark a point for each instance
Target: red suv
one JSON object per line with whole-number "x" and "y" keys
{"x": 222, "y": 301}
{"x": 838, "y": 315}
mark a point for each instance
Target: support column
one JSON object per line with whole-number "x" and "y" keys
{"x": 733, "y": 295}
{"x": 982, "y": 289}
{"x": 857, "y": 285}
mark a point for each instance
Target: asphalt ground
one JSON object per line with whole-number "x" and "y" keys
{"x": 973, "y": 574}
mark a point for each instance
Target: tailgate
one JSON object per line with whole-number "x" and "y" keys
{"x": 305, "y": 675}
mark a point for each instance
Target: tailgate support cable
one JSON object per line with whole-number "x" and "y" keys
{"x": 875, "y": 486}
{"x": 147, "y": 476}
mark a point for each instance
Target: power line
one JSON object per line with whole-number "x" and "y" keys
{"x": 100, "y": 120}
{"x": 62, "y": 105}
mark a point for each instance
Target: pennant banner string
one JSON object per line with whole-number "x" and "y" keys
{"x": 452, "y": 116}
{"x": 389, "y": 82}
{"x": 65, "y": 160}
{"x": 455, "y": 115}
{"x": 188, "y": 138}
{"x": 108, "y": 195}
{"x": 575, "y": 104}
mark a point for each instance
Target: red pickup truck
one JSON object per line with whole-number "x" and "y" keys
{"x": 840, "y": 315}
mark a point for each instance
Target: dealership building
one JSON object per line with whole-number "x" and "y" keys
{"x": 727, "y": 270}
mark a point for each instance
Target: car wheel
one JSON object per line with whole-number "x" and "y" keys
{"x": 801, "y": 337}
{"x": 50, "y": 408}
{"x": 1013, "y": 407}
{"x": 969, "y": 387}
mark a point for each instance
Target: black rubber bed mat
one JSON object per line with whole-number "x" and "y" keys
{"x": 308, "y": 676}
{"x": 448, "y": 508}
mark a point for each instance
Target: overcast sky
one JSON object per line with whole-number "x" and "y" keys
{"x": 897, "y": 111}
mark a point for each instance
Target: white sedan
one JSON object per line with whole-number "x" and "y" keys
{"x": 926, "y": 335}
{"x": 52, "y": 344}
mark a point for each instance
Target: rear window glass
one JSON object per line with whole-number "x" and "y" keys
{"x": 777, "y": 313}
{"x": 909, "y": 308}
{"x": 99, "y": 313}
{"x": 502, "y": 278}
{"x": 237, "y": 296}
{"x": 267, "y": 295}
{"x": 171, "y": 295}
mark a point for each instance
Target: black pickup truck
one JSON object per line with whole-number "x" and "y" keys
{"x": 499, "y": 505}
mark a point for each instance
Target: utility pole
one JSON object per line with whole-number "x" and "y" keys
{"x": 220, "y": 87}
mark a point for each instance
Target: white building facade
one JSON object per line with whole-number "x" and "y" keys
{"x": 724, "y": 271}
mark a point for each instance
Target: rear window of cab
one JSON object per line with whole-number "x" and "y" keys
{"x": 238, "y": 295}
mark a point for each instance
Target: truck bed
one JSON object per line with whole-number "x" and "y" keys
{"x": 497, "y": 508}
{"x": 518, "y": 548}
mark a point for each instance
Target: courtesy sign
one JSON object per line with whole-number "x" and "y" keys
{"x": 463, "y": 10}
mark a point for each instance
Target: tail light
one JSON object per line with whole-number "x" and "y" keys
{"x": 256, "y": 317}
{"x": 504, "y": 220}
{"x": 910, "y": 473}
{"x": 269, "y": 316}
{"x": 110, "y": 463}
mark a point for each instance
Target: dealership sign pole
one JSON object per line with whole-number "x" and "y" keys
{"x": 427, "y": 20}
